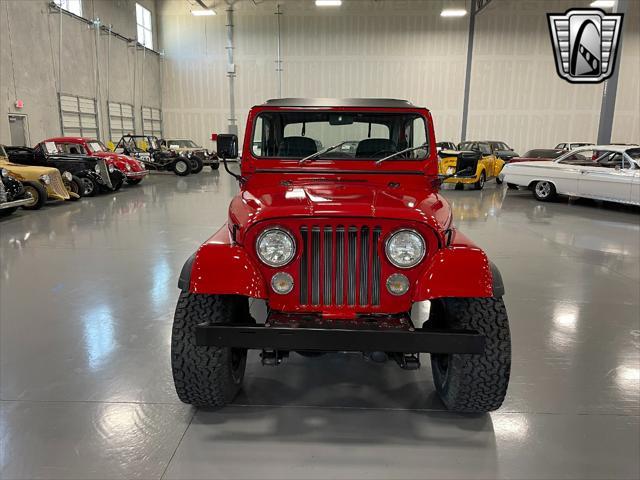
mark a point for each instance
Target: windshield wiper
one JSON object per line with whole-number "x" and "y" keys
{"x": 322, "y": 152}
{"x": 406, "y": 150}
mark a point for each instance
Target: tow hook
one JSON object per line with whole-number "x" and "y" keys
{"x": 407, "y": 361}
{"x": 273, "y": 358}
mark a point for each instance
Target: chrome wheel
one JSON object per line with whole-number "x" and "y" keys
{"x": 33, "y": 193}
{"x": 543, "y": 189}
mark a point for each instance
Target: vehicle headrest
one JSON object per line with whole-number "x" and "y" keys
{"x": 297, "y": 147}
{"x": 375, "y": 147}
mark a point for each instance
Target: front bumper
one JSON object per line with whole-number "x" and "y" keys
{"x": 136, "y": 175}
{"x": 15, "y": 203}
{"x": 468, "y": 180}
{"x": 303, "y": 332}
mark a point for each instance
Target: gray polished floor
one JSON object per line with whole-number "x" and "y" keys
{"x": 87, "y": 292}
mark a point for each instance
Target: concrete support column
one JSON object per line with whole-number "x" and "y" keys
{"x": 610, "y": 90}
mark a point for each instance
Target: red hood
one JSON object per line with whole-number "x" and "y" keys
{"x": 118, "y": 159}
{"x": 337, "y": 199}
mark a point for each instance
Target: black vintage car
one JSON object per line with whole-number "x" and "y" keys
{"x": 149, "y": 150}
{"x": 94, "y": 173}
{"x": 12, "y": 194}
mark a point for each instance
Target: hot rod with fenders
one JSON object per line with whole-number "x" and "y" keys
{"x": 93, "y": 174}
{"x": 340, "y": 245}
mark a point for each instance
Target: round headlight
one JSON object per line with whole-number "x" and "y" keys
{"x": 67, "y": 176}
{"x": 276, "y": 247}
{"x": 112, "y": 169}
{"x": 97, "y": 168}
{"x": 282, "y": 283}
{"x": 46, "y": 179}
{"x": 405, "y": 248}
{"x": 4, "y": 172}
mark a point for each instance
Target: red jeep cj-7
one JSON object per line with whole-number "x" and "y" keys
{"x": 340, "y": 228}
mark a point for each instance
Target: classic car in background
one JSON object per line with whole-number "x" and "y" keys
{"x": 539, "y": 154}
{"x": 148, "y": 150}
{"x": 602, "y": 172}
{"x": 189, "y": 148}
{"x": 445, "y": 146}
{"x": 43, "y": 183}
{"x": 572, "y": 145}
{"x": 133, "y": 170}
{"x": 94, "y": 173}
{"x": 472, "y": 170}
{"x": 12, "y": 194}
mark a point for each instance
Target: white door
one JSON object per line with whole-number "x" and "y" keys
{"x": 608, "y": 179}
{"x": 564, "y": 176}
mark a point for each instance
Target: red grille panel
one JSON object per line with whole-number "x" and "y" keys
{"x": 340, "y": 265}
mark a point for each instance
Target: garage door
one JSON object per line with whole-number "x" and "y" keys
{"x": 121, "y": 120}
{"x": 152, "y": 121}
{"x": 78, "y": 116}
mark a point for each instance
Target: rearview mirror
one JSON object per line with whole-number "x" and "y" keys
{"x": 227, "y": 145}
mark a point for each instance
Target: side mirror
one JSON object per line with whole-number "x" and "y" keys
{"x": 227, "y": 145}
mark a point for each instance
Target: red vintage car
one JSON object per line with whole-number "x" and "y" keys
{"x": 133, "y": 170}
{"x": 340, "y": 244}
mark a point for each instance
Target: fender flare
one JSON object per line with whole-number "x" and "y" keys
{"x": 221, "y": 267}
{"x": 496, "y": 281}
{"x": 460, "y": 260}
{"x": 184, "y": 280}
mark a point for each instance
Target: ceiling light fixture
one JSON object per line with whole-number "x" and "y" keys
{"x": 603, "y": 3}
{"x": 203, "y": 13}
{"x": 328, "y": 3}
{"x": 453, "y": 12}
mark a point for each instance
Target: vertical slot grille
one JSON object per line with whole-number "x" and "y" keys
{"x": 364, "y": 266}
{"x": 340, "y": 265}
{"x": 351, "y": 266}
{"x": 327, "y": 261}
{"x": 376, "y": 268}
{"x": 304, "y": 268}
{"x": 315, "y": 266}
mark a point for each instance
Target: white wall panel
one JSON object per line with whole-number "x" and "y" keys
{"x": 400, "y": 49}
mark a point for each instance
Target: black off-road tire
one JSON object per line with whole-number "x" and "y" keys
{"x": 182, "y": 171}
{"x": 207, "y": 376}
{"x": 196, "y": 164}
{"x": 474, "y": 383}
{"x": 39, "y": 194}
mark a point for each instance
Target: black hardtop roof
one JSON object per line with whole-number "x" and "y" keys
{"x": 340, "y": 102}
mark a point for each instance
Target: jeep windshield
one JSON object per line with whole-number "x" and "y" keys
{"x": 355, "y": 135}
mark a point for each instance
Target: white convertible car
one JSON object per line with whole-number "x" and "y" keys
{"x": 602, "y": 172}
